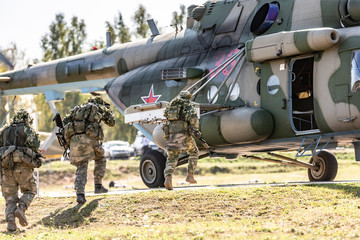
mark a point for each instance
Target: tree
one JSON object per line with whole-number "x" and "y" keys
{"x": 97, "y": 45}
{"x": 178, "y": 18}
{"x": 15, "y": 56}
{"x": 63, "y": 40}
{"x": 111, "y": 29}
{"x": 140, "y": 18}
{"x": 76, "y": 37}
{"x": 118, "y": 31}
{"x": 3, "y": 67}
{"x": 120, "y": 131}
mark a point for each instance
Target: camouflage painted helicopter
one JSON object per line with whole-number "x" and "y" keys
{"x": 267, "y": 76}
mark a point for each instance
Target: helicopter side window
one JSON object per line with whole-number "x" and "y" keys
{"x": 235, "y": 91}
{"x": 273, "y": 85}
{"x": 211, "y": 94}
{"x": 355, "y": 72}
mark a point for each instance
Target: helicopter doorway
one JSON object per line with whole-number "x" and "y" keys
{"x": 302, "y": 99}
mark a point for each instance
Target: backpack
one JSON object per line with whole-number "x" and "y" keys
{"x": 84, "y": 115}
{"x": 173, "y": 110}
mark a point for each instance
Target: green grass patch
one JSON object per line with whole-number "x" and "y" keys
{"x": 59, "y": 176}
{"x": 291, "y": 212}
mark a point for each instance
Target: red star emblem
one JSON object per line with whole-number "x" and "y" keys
{"x": 151, "y": 98}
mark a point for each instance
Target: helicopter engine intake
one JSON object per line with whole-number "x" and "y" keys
{"x": 291, "y": 43}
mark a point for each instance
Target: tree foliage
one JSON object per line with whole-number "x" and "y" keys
{"x": 45, "y": 114}
{"x": 140, "y": 18}
{"x": 63, "y": 40}
{"x": 120, "y": 131}
{"x": 14, "y": 55}
{"x": 17, "y": 58}
{"x": 179, "y": 18}
{"x": 118, "y": 30}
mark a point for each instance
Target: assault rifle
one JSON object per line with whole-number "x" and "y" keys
{"x": 197, "y": 134}
{"x": 60, "y": 134}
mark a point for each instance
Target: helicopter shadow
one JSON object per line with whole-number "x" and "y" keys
{"x": 350, "y": 189}
{"x": 71, "y": 217}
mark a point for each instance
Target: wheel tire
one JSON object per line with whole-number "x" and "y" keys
{"x": 152, "y": 165}
{"x": 327, "y": 170}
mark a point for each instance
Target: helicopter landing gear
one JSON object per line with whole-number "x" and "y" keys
{"x": 152, "y": 165}
{"x": 326, "y": 167}
{"x": 323, "y": 165}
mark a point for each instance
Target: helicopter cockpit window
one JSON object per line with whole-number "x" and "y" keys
{"x": 273, "y": 84}
{"x": 355, "y": 72}
{"x": 264, "y": 18}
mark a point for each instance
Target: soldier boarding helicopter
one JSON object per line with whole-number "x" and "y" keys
{"x": 266, "y": 76}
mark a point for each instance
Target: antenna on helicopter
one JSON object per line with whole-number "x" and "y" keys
{"x": 153, "y": 28}
{"x": 108, "y": 39}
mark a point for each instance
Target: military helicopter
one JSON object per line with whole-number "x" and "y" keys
{"x": 267, "y": 76}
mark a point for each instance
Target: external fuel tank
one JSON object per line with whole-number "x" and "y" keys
{"x": 240, "y": 125}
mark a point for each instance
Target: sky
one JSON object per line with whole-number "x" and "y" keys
{"x": 24, "y": 22}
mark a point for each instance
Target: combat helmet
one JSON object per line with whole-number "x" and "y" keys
{"x": 185, "y": 94}
{"x": 22, "y": 116}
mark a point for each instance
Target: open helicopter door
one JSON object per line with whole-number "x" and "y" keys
{"x": 301, "y": 96}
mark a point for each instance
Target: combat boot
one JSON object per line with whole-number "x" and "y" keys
{"x": 80, "y": 198}
{"x": 190, "y": 178}
{"x": 20, "y": 214}
{"x": 99, "y": 188}
{"x": 168, "y": 183}
{"x": 11, "y": 225}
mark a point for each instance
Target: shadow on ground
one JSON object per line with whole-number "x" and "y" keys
{"x": 348, "y": 188}
{"x": 71, "y": 217}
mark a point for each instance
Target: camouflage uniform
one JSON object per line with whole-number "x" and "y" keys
{"x": 83, "y": 132}
{"x": 19, "y": 156}
{"x": 180, "y": 114}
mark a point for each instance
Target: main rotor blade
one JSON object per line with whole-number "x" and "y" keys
{"x": 6, "y": 61}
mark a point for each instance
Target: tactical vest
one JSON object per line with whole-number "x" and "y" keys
{"x": 173, "y": 111}
{"x": 86, "y": 119}
{"x": 84, "y": 115}
{"x": 176, "y": 119}
{"x": 14, "y": 149}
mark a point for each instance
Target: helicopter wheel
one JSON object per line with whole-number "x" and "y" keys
{"x": 327, "y": 167}
{"x": 152, "y": 165}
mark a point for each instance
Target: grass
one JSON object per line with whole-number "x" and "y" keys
{"x": 289, "y": 212}
{"x": 59, "y": 176}
{"x": 292, "y": 212}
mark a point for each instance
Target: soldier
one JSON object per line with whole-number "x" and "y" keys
{"x": 180, "y": 114}
{"x": 83, "y": 132}
{"x": 20, "y": 154}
